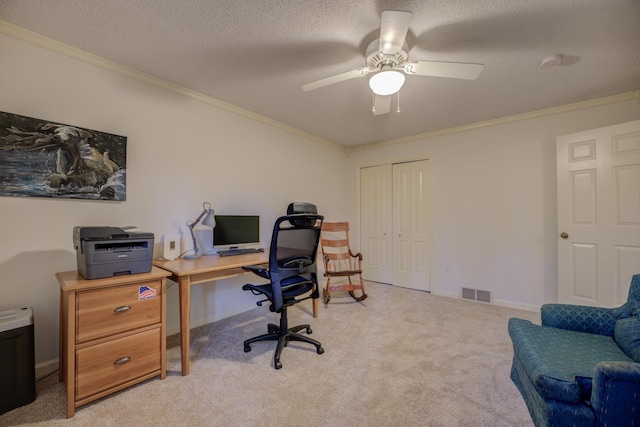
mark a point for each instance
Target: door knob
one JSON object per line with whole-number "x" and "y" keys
{"x": 564, "y": 235}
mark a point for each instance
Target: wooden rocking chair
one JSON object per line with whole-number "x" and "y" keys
{"x": 340, "y": 262}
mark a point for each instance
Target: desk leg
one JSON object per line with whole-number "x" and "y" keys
{"x": 315, "y": 307}
{"x": 185, "y": 310}
{"x": 163, "y": 330}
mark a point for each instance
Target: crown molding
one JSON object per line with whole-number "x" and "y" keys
{"x": 39, "y": 40}
{"x": 613, "y": 99}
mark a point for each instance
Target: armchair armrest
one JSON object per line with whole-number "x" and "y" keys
{"x": 616, "y": 386}
{"x": 580, "y": 318}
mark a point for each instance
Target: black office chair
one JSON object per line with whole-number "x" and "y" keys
{"x": 292, "y": 273}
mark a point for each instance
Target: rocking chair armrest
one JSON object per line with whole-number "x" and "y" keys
{"x": 342, "y": 273}
{"x": 356, "y": 255}
{"x": 325, "y": 260}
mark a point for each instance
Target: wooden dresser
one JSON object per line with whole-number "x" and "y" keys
{"x": 112, "y": 333}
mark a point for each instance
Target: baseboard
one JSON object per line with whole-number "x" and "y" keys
{"x": 47, "y": 368}
{"x": 175, "y": 329}
{"x": 445, "y": 294}
{"x": 501, "y": 303}
{"x": 518, "y": 305}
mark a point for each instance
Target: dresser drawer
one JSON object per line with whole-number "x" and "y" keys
{"x": 109, "y": 364}
{"x": 107, "y": 311}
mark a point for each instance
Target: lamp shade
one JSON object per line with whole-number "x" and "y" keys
{"x": 386, "y": 82}
{"x": 209, "y": 220}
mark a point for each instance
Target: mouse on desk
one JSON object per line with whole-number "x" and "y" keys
{"x": 260, "y": 249}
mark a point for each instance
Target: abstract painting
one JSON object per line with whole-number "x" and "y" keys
{"x": 40, "y": 158}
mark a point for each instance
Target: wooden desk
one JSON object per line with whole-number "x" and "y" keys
{"x": 206, "y": 269}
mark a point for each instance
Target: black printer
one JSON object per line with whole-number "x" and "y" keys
{"x": 111, "y": 251}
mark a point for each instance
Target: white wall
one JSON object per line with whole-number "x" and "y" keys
{"x": 180, "y": 153}
{"x": 494, "y": 198}
{"x": 494, "y": 188}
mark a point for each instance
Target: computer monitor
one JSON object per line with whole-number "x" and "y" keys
{"x": 235, "y": 231}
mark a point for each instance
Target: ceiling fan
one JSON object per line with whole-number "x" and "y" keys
{"x": 387, "y": 60}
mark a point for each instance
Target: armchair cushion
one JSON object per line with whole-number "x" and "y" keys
{"x": 580, "y": 318}
{"x": 560, "y": 362}
{"x": 627, "y": 335}
{"x": 617, "y": 382}
{"x": 627, "y": 330}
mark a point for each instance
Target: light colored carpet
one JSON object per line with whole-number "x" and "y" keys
{"x": 401, "y": 357}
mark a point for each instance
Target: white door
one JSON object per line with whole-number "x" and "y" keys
{"x": 411, "y": 225}
{"x": 395, "y": 224}
{"x": 598, "y": 174}
{"x": 375, "y": 223}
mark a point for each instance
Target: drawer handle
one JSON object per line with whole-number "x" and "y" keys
{"x": 122, "y": 309}
{"x": 122, "y": 360}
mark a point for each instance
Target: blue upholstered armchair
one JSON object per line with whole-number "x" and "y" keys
{"x": 582, "y": 366}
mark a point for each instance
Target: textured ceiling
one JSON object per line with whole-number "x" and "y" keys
{"x": 256, "y": 54}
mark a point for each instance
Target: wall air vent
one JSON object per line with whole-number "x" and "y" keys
{"x": 468, "y": 293}
{"x": 478, "y": 295}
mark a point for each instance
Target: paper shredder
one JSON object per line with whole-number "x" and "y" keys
{"x": 17, "y": 359}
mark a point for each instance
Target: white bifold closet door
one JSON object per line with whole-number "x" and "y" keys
{"x": 395, "y": 223}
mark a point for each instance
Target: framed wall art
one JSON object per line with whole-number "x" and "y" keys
{"x": 39, "y": 158}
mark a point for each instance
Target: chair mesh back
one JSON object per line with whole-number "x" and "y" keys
{"x": 297, "y": 242}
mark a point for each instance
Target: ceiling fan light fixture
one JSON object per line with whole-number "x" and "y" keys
{"x": 386, "y": 82}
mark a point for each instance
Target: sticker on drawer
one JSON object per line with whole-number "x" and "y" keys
{"x": 145, "y": 292}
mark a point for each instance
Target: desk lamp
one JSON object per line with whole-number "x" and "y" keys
{"x": 209, "y": 220}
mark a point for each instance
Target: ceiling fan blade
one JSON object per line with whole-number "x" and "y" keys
{"x": 336, "y": 79}
{"x": 381, "y": 104}
{"x": 394, "y": 25}
{"x": 454, "y": 70}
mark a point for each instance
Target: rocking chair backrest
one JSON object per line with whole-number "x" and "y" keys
{"x": 335, "y": 248}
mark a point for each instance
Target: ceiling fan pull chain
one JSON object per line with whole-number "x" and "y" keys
{"x": 398, "y": 110}
{"x": 373, "y": 107}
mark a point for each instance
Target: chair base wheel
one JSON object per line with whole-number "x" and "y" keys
{"x": 284, "y": 336}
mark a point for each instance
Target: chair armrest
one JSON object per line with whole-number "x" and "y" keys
{"x": 260, "y": 270}
{"x": 581, "y": 318}
{"x": 614, "y": 396}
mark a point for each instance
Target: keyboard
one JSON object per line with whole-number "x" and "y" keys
{"x": 232, "y": 252}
